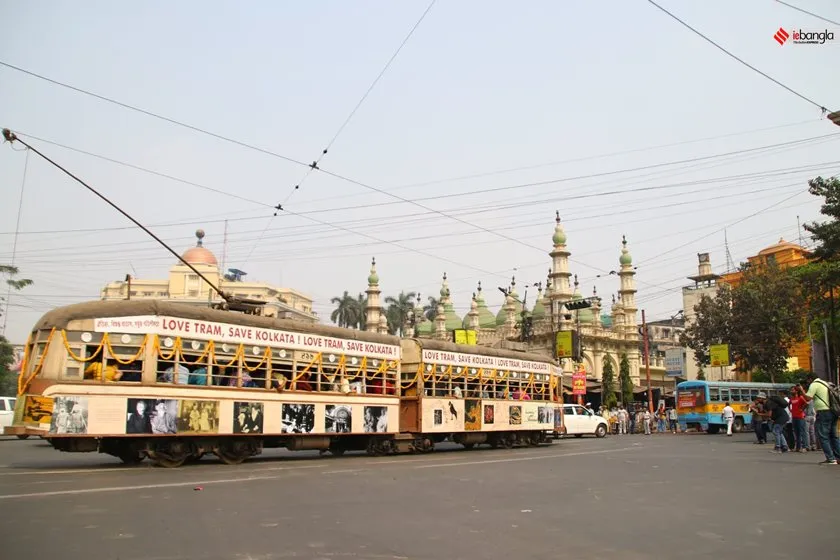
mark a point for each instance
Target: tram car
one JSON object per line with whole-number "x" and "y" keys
{"x": 172, "y": 382}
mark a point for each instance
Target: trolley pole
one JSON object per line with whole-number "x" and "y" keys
{"x": 647, "y": 361}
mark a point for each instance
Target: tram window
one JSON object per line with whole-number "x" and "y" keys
{"x": 196, "y": 362}
{"x": 128, "y": 351}
{"x": 226, "y": 365}
{"x": 281, "y": 374}
{"x": 83, "y": 349}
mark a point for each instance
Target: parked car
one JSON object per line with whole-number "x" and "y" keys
{"x": 7, "y": 413}
{"x": 579, "y": 422}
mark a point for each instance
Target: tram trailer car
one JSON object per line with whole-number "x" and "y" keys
{"x": 173, "y": 382}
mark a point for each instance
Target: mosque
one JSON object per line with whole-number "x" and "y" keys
{"x": 605, "y": 335}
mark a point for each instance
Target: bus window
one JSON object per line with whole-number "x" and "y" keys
{"x": 714, "y": 394}
{"x": 736, "y": 395}
{"x": 724, "y": 394}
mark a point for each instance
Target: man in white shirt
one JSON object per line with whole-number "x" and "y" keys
{"x": 728, "y": 415}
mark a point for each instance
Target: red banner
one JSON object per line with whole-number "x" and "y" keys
{"x": 579, "y": 383}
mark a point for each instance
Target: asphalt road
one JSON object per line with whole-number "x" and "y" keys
{"x": 629, "y": 497}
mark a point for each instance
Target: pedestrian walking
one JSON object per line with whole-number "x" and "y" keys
{"x": 728, "y": 416}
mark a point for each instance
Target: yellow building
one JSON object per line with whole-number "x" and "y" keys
{"x": 783, "y": 254}
{"x": 185, "y": 286}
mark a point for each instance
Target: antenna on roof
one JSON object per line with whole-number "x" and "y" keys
{"x": 799, "y": 231}
{"x": 730, "y": 264}
{"x": 11, "y": 137}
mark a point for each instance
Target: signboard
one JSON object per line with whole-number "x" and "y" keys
{"x": 579, "y": 382}
{"x": 464, "y": 336}
{"x": 675, "y": 362}
{"x": 477, "y": 360}
{"x": 686, "y": 400}
{"x": 241, "y": 334}
{"x": 564, "y": 344}
{"x": 719, "y": 354}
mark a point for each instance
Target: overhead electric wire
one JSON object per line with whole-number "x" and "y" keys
{"x": 742, "y": 61}
{"x": 807, "y": 12}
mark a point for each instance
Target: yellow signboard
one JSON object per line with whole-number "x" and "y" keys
{"x": 719, "y": 354}
{"x": 465, "y": 336}
{"x": 564, "y": 344}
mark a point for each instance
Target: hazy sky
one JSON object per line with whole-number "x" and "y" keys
{"x": 565, "y": 89}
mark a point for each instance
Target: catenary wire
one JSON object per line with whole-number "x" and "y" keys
{"x": 807, "y": 12}
{"x": 742, "y": 61}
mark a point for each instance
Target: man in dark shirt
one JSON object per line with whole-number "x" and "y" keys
{"x": 758, "y": 425}
{"x": 775, "y": 408}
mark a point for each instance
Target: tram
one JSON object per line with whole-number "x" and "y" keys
{"x": 172, "y": 382}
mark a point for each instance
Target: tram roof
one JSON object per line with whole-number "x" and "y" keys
{"x": 61, "y": 316}
{"x": 446, "y": 346}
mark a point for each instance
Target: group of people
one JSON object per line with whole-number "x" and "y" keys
{"x": 639, "y": 419}
{"x": 801, "y": 420}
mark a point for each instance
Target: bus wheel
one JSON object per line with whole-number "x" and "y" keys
{"x": 713, "y": 429}
{"x": 738, "y": 425}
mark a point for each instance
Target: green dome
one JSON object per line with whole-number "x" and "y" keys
{"x": 373, "y": 277}
{"x": 425, "y": 327}
{"x": 486, "y": 320}
{"x": 625, "y": 257}
{"x": 500, "y": 316}
{"x": 606, "y": 320}
{"x": 452, "y": 320}
{"x": 586, "y": 315}
{"x": 559, "y": 236}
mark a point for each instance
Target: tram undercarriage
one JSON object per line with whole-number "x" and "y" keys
{"x": 172, "y": 452}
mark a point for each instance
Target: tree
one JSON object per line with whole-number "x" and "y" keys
{"x": 430, "y": 310}
{"x": 760, "y": 319}
{"x": 826, "y": 234}
{"x": 608, "y": 383}
{"x": 624, "y": 380}
{"x": 346, "y": 313}
{"x": 8, "y": 378}
{"x": 399, "y": 309}
{"x": 712, "y": 325}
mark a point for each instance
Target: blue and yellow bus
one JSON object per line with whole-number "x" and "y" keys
{"x": 700, "y": 403}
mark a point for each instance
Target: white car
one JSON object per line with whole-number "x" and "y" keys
{"x": 7, "y": 412}
{"x": 579, "y": 422}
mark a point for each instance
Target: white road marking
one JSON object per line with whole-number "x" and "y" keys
{"x": 531, "y": 458}
{"x": 138, "y": 487}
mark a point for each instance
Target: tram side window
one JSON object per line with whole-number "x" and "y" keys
{"x": 225, "y": 365}
{"x": 282, "y": 373}
{"x": 127, "y": 359}
{"x": 196, "y": 360}
{"x": 88, "y": 349}
{"x": 385, "y": 383}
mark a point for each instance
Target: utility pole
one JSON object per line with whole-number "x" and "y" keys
{"x": 647, "y": 361}
{"x": 128, "y": 287}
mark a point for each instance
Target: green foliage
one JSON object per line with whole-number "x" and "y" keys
{"x": 608, "y": 383}
{"x": 701, "y": 374}
{"x": 350, "y": 311}
{"x": 760, "y": 319}
{"x": 8, "y": 378}
{"x": 762, "y": 376}
{"x": 399, "y": 309}
{"x": 826, "y": 234}
{"x": 14, "y": 283}
{"x": 624, "y": 380}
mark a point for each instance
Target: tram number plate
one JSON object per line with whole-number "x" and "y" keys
{"x": 306, "y": 356}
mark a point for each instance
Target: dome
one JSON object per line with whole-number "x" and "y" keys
{"x": 606, "y": 320}
{"x": 373, "y": 277}
{"x": 625, "y": 258}
{"x": 425, "y": 327}
{"x": 486, "y": 320}
{"x": 199, "y": 254}
{"x": 453, "y": 321}
{"x": 559, "y": 237}
{"x": 782, "y": 245}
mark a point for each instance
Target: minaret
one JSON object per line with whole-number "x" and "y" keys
{"x": 596, "y": 307}
{"x": 472, "y": 321}
{"x": 510, "y": 314}
{"x": 383, "y": 324}
{"x": 617, "y": 317}
{"x": 440, "y": 321}
{"x": 373, "y": 309}
{"x": 559, "y": 275}
{"x": 628, "y": 291}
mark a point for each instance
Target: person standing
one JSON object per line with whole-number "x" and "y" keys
{"x": 757, "y": 410}
{"x": 728, "y": 416}
{"x": 622, "y": 420}
{"x": 776, "y": 409}
{"x": 672, "y": 419}
{"x": 826, "y": 419}
{"x": 646, "y": 418}
{"x": 811, "y": 420}
{"x": 797, "y": 411}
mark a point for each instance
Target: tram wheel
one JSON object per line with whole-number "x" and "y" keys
{"x": 170, "y": 456}
{"x": 131, "y": 457}
{"x": 169, "y": 462}
{"x": 468, "y": 445}
{"x": 232, "y": 453}
{"x": 507, "y": 441}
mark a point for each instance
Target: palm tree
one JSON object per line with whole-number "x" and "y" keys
{"x": 398, "y": 311}
{"x": 346, "y": 313}
{"x": 430, "y": 310}
{"x": 361, "y": 317}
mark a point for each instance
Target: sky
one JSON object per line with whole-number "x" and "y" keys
{"x": 493, "y": 116}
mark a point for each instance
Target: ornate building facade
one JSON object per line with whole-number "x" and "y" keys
{"x": 185, "y": 286}
{"x": 606, "y": 334}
